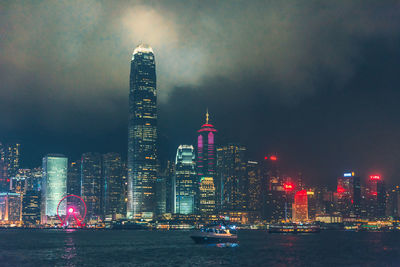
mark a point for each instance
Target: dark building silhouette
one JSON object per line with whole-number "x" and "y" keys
{"x": 114, "y": 200}
{"x": 92, "y": 182}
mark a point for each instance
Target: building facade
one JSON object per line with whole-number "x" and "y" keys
{"x": 185, "y": 180}
{"x": 54, "y": 185}
{"x": 206, "y": 165}
{"x": 92, "y": 184}
{"x": 113, "y": 186}
{"x": 142, "y": 133}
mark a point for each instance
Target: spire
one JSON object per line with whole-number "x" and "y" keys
{"x": 207, "y": 116}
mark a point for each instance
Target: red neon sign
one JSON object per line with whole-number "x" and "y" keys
{"x": 340, "y": 189}
{"x": 375, "y": 177}
{"x": 288, "y": 186}
{"x": 273, "y": 158}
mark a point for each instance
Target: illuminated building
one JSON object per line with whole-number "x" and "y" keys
{"x": 375, "y": 197}
{"x": 12, "y": 158}
{"x": 273, "y": 195}
{"x": 206, "y": 159}
{"x": 185, "y": 180}
{"x": 10, "y": 208}
{"x": 254, "y": 186}
{"x": 232, "y": 177}
{"x": 300, "y": 207}
{"x": 349, "y": 194}
{"x": 168, "y": 181}
{"x": 4, "y": 181}
{"x": 31, "y": 207}
{"x": 74, "y": 178}
{"x": 92, "y": 182}
{"x": 54, "y": 185}
{"x": 18, "y": 184}
{"x": 142, "y": 133}
{"x": 34, "y": 180}
{"x": 207, "y": 195}
{"x": 113, "y": 185}
{"x": 393, "y": 203}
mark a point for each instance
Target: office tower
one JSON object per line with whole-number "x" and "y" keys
{"x": 12, "y": 159}
{"x": 254, "y": 188}
{"x": 113, "y": 186}
{"x": 92, "y": 182}
{"x": 185, "y": 180}
{"x": 74, "y": 178}
{"x": 300, "y": 206}
{"x": 232, "y": 177}
{"x": 54, "y": 185}
{"x": 161, "y": 195}
{"x": 393, "y": 203}
{"x": 4, "y": 182}
{"x": 206, "y": 160}
{"x": 273, "y": 195}
{"x": 18, "y": 184}
{"x": 375, "y": 197}
{"x": 207, "y": 195}
{"x": 168, "y": 178}
{"x": 349, "y": 194}
{"x": 142, "y": 133}
{"x": 10, "y": 208}
{"x": 31, "y": 207}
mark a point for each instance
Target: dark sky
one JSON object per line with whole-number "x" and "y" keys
{"x": 315, "y": 81}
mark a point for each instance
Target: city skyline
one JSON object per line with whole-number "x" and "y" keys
{"x": 323, "y": 102}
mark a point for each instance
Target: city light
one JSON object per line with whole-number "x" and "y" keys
{"x": 375, "y": 177}
{"x": 288, "y": 186}
{"x": 273, "y": 158}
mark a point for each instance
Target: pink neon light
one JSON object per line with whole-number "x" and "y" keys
{"x": 200, "y": 141}
{"x": 375, "y": 177}
{"x": 210, "y": 138}
{"x": 80, "y": 223}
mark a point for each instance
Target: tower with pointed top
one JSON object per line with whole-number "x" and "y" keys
{"x": 142, "y": 133}
{"x": 206, "y": 164}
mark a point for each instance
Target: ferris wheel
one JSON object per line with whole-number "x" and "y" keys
{"x": 71, "y": 210}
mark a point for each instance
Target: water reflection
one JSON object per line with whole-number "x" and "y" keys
{"x": 69, "y": 249}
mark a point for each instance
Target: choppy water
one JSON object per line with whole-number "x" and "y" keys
{"x": 175, "y": 248}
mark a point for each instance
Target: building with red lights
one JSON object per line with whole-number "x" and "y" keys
{"x": 300, "y": 207}
{"x": 375, "y": 196}
{"x": 206, "y": 160}
{"x": 349, "y": 195}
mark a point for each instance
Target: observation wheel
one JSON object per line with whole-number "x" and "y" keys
{"x": 71, "y": 211}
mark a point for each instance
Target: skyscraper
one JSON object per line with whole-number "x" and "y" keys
{"x": 54, "y": 185}
{"x": 206, "y": 163}
{"x": 185, "y": 180}
{"x": 113, "y": 185}
{"x": 300, "y": 206}
{"x": 232, "y": 177}
{"x": 349, "y": 194}
{"x": 142, "y": 133}
{"x": 31, "y": 207}
{"x": 92, "y": 182}
{"x": 12, "y": 158}
{"x": 74, "y": 178}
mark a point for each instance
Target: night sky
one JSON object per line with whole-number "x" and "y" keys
{"x": 315, "y": 81}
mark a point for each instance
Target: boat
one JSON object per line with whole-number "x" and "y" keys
{"x": 215, "y": 234}
{"x": 293, "y": 228}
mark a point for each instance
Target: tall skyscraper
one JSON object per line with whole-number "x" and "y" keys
{"x": 300, "y": 206}
{"x": 92, "y": 183}
{"x": 12, "y": 159}
{"x": 74, "y": 178}
{"x": 349, "y": 194}
{"x": 142, "y": 133}
{"x": 113, "y": 185}
{"x": 232, "y": 177}
{"x": 375, "y": 197}
{"x": 185, "y": 180}
{"x": 206, "y": 163}
{"x": 54, "y": 185}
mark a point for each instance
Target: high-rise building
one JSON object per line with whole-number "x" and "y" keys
{"x": 12, "y": 159}
{"x": 74, "y": 178}
{"x": 31, "y": 207}
{"x": 185, "y": 180}
{"x": 393, "y": 203}
{"x": 92, "y": 184}
{"x": 375, "y": 197}
{"x": 54, "y": 185}
{"x": 4, "y": 181}
{"x": 232, "y": 177}
{"x": 142, "y": 133}
{"x": 113, "y": 186}
{"x": 300, "y": 206}
{"x": 349, "y": 194}
{"x": 207, "y": 195}
{"x": 10, "y": 208}
{"x": 167, "y": 181}
{"x": 254, "y": 186}
{"x": 206, "y": 162}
